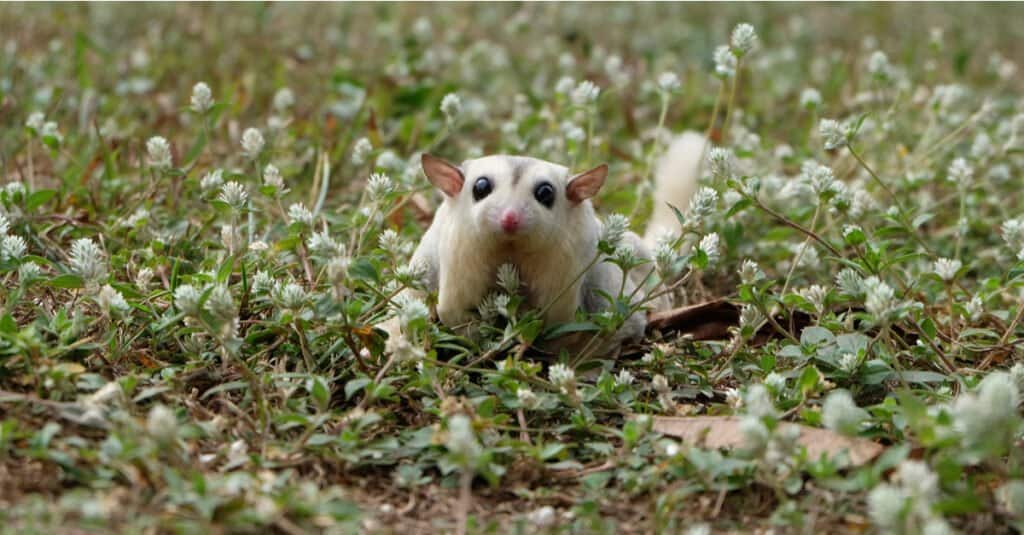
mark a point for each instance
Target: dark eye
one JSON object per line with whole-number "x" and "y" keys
{"x": 545, "y": 194}
{"x": 482, "y": 188}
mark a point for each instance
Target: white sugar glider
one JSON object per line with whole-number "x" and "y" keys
{"x": 536, "y": 216}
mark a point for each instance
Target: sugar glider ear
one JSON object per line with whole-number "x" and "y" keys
{"x": 586, "y": 184}
{"x": 443, "y": 175}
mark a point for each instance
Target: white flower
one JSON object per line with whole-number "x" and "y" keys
{"x": 759, "y": 402}
{"x": 947, "y": 268}
{"x": 162, "y": 423}
{"x": 564, "y": 85}
{"x": 212, "y": 180}
{"x": 361, "y": 150}
{"x": 750, "y": 272}
{"x": 703, "y": 203}
{"x": 848, "y": 362}
{"x": 220, "y": 304}
{"x": 87, "y": 259}
{"x": 462, "y": 439}
{"x": 527, "y": 398}
{"x": 234, "y": 195}
{"x": 283, "y": 99}
{"x": 988, "y": 412}
{"x": 775, "y": 381}
{"x": 834, "y": 134}
{"x": 111, "y": 301}
{"x": 660, "y": 384}
{"x": 390, "y": 241}
{"x": 186, "y": 298}
{"x": 710, "y": 245}
{"x": 721, "y": 162}
{"x": 202, "y": 98}
{"x": 982, "y": 147}
{"x": 624, "y": 377}
{"x": 262, "y": 282}
{"x": 159, "y": 152}
{"x": 29, "y": 271}
{"x": 887, "y": 505}
{"x": 810, "y": 98}
{"x": 960, "y": 172}
{"x": 586, "y": 93}
{"x": 850, "y": 282}
{"x": 743, "y": 39}
{"x": 451, "y": 107}
{"x": 291, "y": 296}
{"x": 35, "y": 121}
{"x": 755, "y": 434}
{"x": 321, "y": 242}
{"x": 252, "y": 142}
{"x": 5, "y": 225}
{"x": 562, "y": 376}
{"x": 840, "y": 414}
{"x": 878, "y": 65}
{"x": 298, "y": 213}
{"x": 542, "y": 517}
{"x": 272, "y": 178}
{"x": 615, "y": 227}
{"x": 880, "y": 297}
{"x": 508, "y": 278}
{"x": 1013, "y": 235}
{"x": 918, "y": 480}
{"x": 411, "y": 311}
{"x": 12, "y": 248}
{"x": 668, "y": 82}
{"x": 725, "y": 62}
{"x": 50, "y": 130}
{"x": 379, "y": 186}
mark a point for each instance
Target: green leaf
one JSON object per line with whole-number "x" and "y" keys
{"x": 38, "y": 198}
{"x": 66, "y": 281}
{"x": 355, "y": 385}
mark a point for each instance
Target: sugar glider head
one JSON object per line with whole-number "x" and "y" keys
{"x": 515, "y": 198}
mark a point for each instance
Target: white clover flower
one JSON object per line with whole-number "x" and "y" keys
{"x": 284, "y": 99}
{"x": 527, "y": 398}
{"x": 850, "y": 282}
{"x": 379, "y": 186}
{"x": 411, "y": 311}
{"x": 321, "y": 242}
{"x": 585, "y": 93}
{"x": 212, "y": 180}
{"x": 462, "y": 439}
{"x": 202, "y": 98}
{"x": 975, "y": 308}
{"x": 982, "y": 415}
{"x": 775, "y": 381}
{"x": 159, "y": 151}
{"x": 711, "y": 246}
{"x": 960, "y": 172}
{"x": 750, "y": 272}
{"x": 982, "y": 148}
{"x": 298, "y": 213}
{"x": 542, "y": 517}
{"x": 624, "y": 377}
{"x": 35, "y": 121}
{"x": 508, "y": 278}
{"x": 880, "y": 297}
{"x": 918, "y": 480}
{"x": 564, "y": 85}
{"x": 848, "y": 362}
{"x": 162, "y": 423}
{"x": 562, "y": 376}
{"x": 947, "y": 268}
{"x": 816, "y": 295}
{"x": 361, "y": 151}
{"x": 231, "y": 237}
{"x": 725, "y": 62}
{"x": 272, "y": 178}
{"x": 841, "y": 414}
{"x": 703, "y": 202}
{"x": 615, "y": 227}
{"x": 5, "y": 224}
{"x": 721, "y": 162}
{"x": 12, "y": 248}
{"x": 758, "y": 402}
{"x": 111, "y": 301}
{"x": 50, "y": 130}
{"x": 744, "y": 38}
{"x": 234, "y": 195}
{"x": 1013, "y": 235}
{"x": 451, "y": 107}
{"x": 337, "y": 269}
{"x": 878, "y": 65}
{"x": 755, "y": 434}
{"x": 87, "y": 259}
{"x": 390, "y": 241}
{"x": 665, "y": 256}
{"x": 834, "y": 134}
{"x": 669, "y": 82}
{"x": 292, "y": 296}
{"x": 262, "y": 282}
{"x": 573, "y": 132}
{"x": 29, "y": 271}
{"x": 660, "y": 384}
{"x": 887, "y": 505}
{"x": 220, "y": 304}
{"x": 810, "y": 98}
{"x": 252, "y": 142}
{"x": 186, "y": 298}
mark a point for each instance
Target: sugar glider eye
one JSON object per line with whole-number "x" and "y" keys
{"x": 482, "y": 188}
{"x": 545, "y": 194}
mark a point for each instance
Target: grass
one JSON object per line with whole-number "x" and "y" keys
{"x": 183, "y": 354}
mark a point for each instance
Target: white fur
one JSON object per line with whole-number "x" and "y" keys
{"x": 675, "y": 179}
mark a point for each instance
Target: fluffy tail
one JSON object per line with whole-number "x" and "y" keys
{"x": 675, "y": 182}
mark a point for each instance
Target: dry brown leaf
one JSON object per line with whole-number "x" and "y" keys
{"x": 724, "y": 432}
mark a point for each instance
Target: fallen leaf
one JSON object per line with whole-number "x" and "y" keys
{"x": 724, "y": 432}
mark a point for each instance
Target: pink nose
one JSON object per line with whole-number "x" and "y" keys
{"x": 510, "y": 221}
